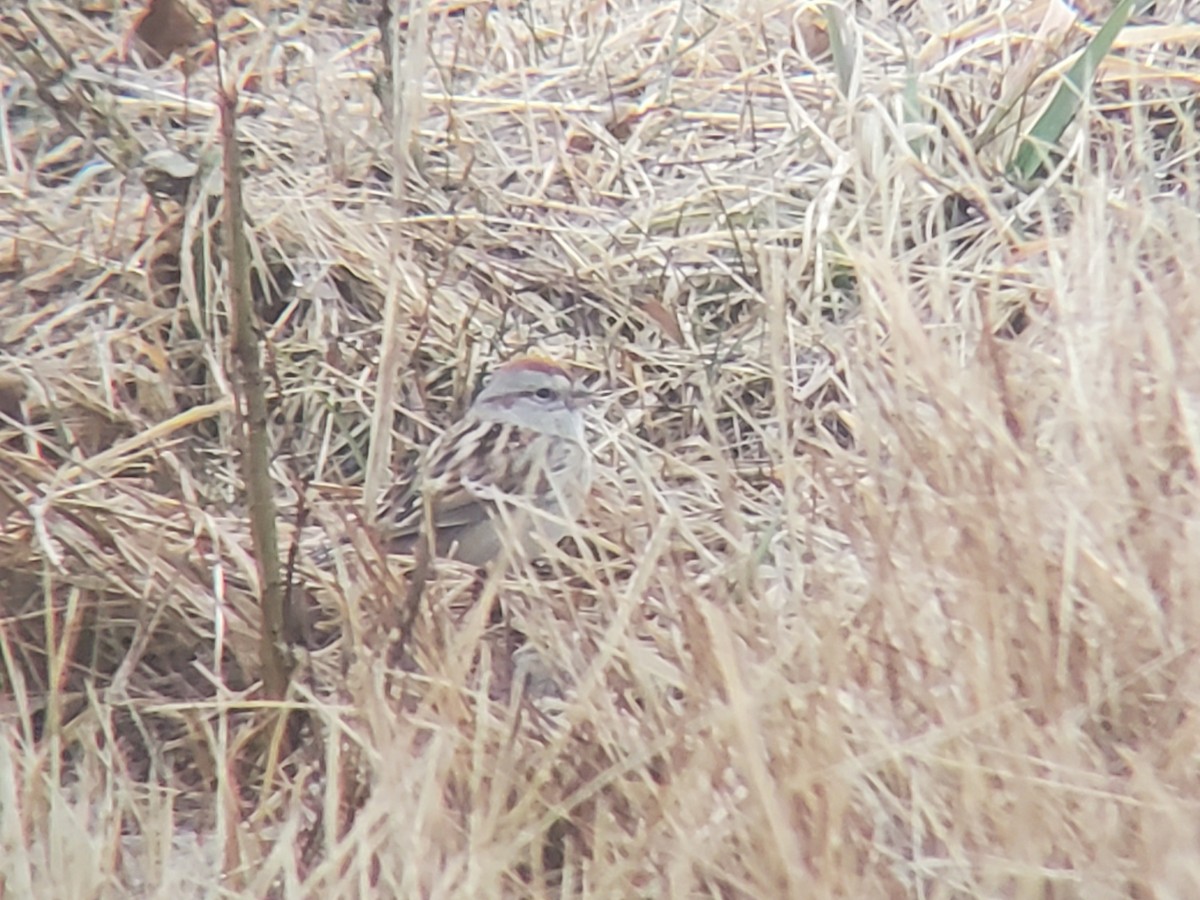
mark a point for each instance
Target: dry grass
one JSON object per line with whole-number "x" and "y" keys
{"x": 896, "y": 591}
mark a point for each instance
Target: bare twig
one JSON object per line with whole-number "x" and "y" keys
{"x": 256, "y": 453}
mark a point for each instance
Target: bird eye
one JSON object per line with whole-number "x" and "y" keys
{"x": 544, "y": 393}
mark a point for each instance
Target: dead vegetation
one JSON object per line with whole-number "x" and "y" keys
{"x": 888, "y": 587}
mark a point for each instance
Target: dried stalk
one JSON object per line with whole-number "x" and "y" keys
{"x": 255, "y": 455}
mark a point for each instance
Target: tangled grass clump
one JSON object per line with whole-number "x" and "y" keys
{"x": 885, "y": 586}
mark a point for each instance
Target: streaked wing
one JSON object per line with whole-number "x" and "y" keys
{"x": 461, "y": 478}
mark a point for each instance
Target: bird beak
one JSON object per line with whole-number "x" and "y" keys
{"x": 580, "y": 398}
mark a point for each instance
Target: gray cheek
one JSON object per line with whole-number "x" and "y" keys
{"x": 513, "y": 410}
